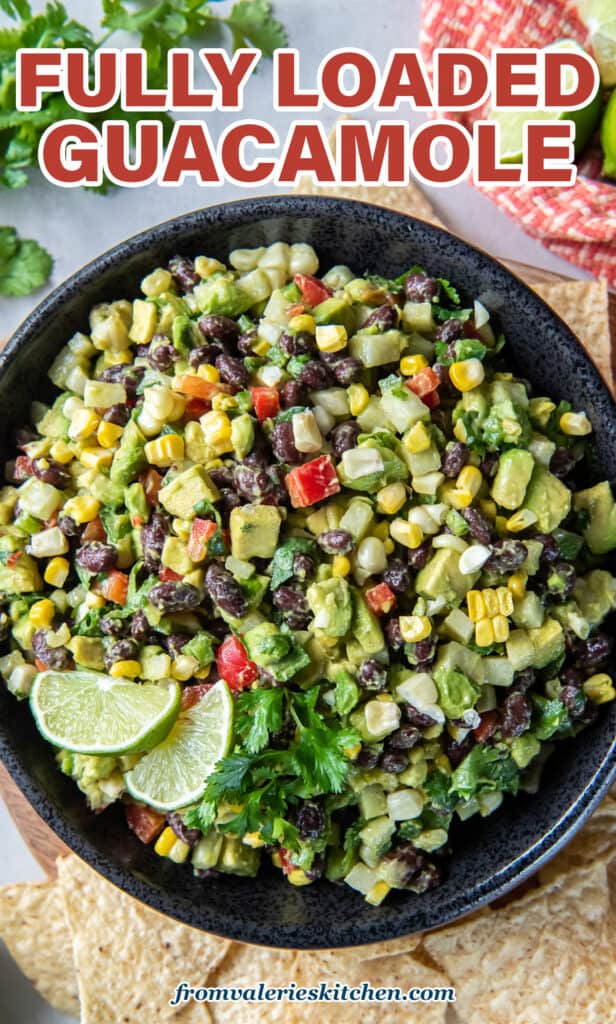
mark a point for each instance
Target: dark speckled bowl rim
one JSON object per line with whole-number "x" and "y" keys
{"x": 296, "y": 935}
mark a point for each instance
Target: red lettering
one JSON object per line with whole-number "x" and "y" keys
{"x": 457, "y": 143}
{"x": 232, "y": 147}
{"x": 135, "y": 94}
{"x": 382, "y": 158}
{"x": 190, "y": 152}
{"x": 230, "y": 73}
{"x": 543, "y": 152}
{"x": 147, "y": 152}
{"x": 405, "y": 78}
{"x": 287, "y": 92}
{"x": 331, "y": 74}
{"x": 182, "y": 74}
{"x": 32, "y": 80}
{"x": 489, "y": 170}
{"x": 316, "y": 161}
{"x": 106, "y": 88}
{"x": 506, "y": 78}
{"x": 462, "y": 78}
{"x": 69, "y": 154}
{"x": 586, "y": 85}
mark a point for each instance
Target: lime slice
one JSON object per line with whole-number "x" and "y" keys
{"x": 512, "y": 121}
{"x": 600, "y": 17}
{"x": 608, "y": 138}
{"x": 91, "y": 713}
{"x": 174, "y": 774}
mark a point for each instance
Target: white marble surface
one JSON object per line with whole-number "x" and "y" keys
{"x": 77, "y": 225}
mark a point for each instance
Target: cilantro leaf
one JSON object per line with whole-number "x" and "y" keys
{"x": 16, "y": 8}
{"x": 252, "y": 23}
{"x": 452, "y": 293}
{"x": 282, "y": 564}
{"x": 24, "y": 264}
{"x": 260, "y": 714}
{"x": 485, "y": 769}
{"x": 202, "y": 816}
{"x": 230, "y": 777}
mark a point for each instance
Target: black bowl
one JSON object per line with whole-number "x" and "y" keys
{"x": 491, "y": 855}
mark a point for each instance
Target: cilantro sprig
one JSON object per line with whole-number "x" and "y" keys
{"x": 24, "y": 264}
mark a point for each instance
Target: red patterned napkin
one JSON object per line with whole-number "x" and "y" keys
{"x": 578, "y": 222}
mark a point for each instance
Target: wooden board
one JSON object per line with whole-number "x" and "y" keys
{"x": 40, "y": 840}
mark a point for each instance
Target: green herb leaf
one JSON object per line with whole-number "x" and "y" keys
{"x": 24, "y": 264}
{"x": 483, "y": 770}
{"x": 260, "y": 715}
{"x": 202, "y": 816}
{"x": 251, "y": 22}
{"x": 282, "y": 564}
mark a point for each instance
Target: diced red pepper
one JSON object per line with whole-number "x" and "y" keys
{"x": 380, "y": 599}
{"x": 145, "y": 822}
{"x": 489, "y": 725}
{"x": 23, "y": 468}
{"x": 53, "y": 519}
{"x": 168, "y": 575}
{"x": 200, "y": 532}
{"x": 115, "y": 587}
{"x": 286, "y": 863}
{"x": 312, "y": 482}
{"x": 94, "y": 531}
{"x": 151, "y": 481}
{"x": 295, "y": 310}
{"x": 197, "y": 387}
{"x": 13, "y": 559}
{"x": 41, "y": 666}
{"x": 266, "y": 403}
{"x": 313, "y": 290}
{"x": 195, "y": 407}
{"x": 234, "y": 665}
{"x": 191, "y": 695}
{"x": 432, "y": 399}
{"x": 424, "y": 382}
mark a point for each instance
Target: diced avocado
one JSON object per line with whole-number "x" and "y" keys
{"x": 548, "y": 642}
{"x": 548, "y": 498}
{"x": 22, "y": 632}
{"x": 200, "y": 648}
{"x": 457, "y": 693}
{"x": 335, "y": 310}
{"x": 529, "y": 612}
{"x": 136, "y": 504}
{"x": 372, "y": 802}
{"x": 373, "y": 417}
{"x": 175, "y": 556}
{"x": 331, "y": 603}
{"x": 458, "y": 626}
{"x": 288, "y": 667}
{"x": 442, "y": 577}
{"x": 524, "y": 749}
{"x": 456, "y": 656}
{"x": 254, "y": 531}
{"x": 365, "y": 626}
{"x": 421, "y": 463}
{"x": 156, "y": 663}
{"x": 509, "y": 391}
{"x": 266, "y": 644}
{"x": 598, "y": 501}
{"x": 377, "y": 834}
{"x": 418, "y": 316}
{"x": 38, "y": 498}
{"x": 515, "y": 468}
{"x": 242, "y": 435}
{"x": 403, "y": 408}
{"x": 238, "y": 859}
{"x": 377, "y": 349}
{"x": 498, "y": 671}
{"x": 186, "y": 490}
{"x": 130, "y": 458}
{"x": 358, "y": 518}
{"x": 571, "y": 618}
{"x": 222, "y": 296}
{"x": 88, "y": 651}
{"x": 195, "y": 446}
{"x": 207, "y": 851}
{"x": 105, "y": 490}
{"x": 533, "y": 560}
{"x": 8, "y": 500}
{"x": 22, "y": 577}
{"x": 520, "y": 649}
{"x": 595, "y": 595}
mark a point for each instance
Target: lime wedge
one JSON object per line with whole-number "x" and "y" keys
{"x": 174, "y": 774}
{"x": 91, "y": 713}
{"x": 512, "y": 121}
{"x": 608, "y": 138}
{"x": 600, "y": 17}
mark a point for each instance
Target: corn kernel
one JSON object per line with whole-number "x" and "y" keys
{"x": 127, "y": 669}
{"x": 41, "y": 613}
{"x": 56, "y": 572}
{"x": 216, "y": 427}
{"x": 389, "y": 546}
{"x": 517, "y": 584}
{"x": 599, "y": 688}
{"x": 205, "y": 266}
{"x": 408, "y": 534}
{"x": 358, "y": 398}
{"x": 377, "y": 893}
{"x": 575, "y": 424}
{"x": 540, "y": 410}
{"x": 443, "y": 763}
{"x": 458, "y": 499}
{"x": 476, "y": 605}
{"x": 156, "y": 283}
{"x": 114, "y": 358}
{"x": 165, "y": 450}
{"x": 391, "y": 498}
{"x": 209, "y": 373}
{"x": 222, "y": 402}
{"x": 253, "y": 839}
{"x": 460, "y": 431}
{"x": 83, "y": 508}
{"x": 165, "y": 842}
{"x": 298, "y": 877}
{"x": 276, "y": 860}
{"x": 469, "y": 480}
{"x": 93, "y": 600}
{"x": 505, "y": 600}
{"x": 261, "y": 347}
{"x": 83, "y": 423}
{"x": 303, "y": 322}
{"x": 490, "y": 600}
{"x": 61, "y": 452}
{"x": 108, "y": 433}
{"x": 341, "y": 566}
{"x": 488, "y": 507}
{"x": 381, "y": 530}
{"x": 500, "y": 625}
{"x": 179, "y": 852}
{"x": 484, "y": 633}
{"x": 521, "y": 520}
{"x": 183, "y": 667}
{"x": 331, "y": 337}
{"x": 352, "y": 752}
{"x": 412, "y": 364}
{"x": 467, "y": 374}
{"x": 417, "y": 439}
{"x": 415, "y": 628}
{"x": 145, "y": 315}
{"x": 96, "y": 458}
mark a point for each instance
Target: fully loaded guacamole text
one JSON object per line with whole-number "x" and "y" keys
{"x": 295, "y": 567}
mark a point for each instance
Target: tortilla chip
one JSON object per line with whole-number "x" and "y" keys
{"x": 342, "y": 961}
{"x": 595, "y": 843}
{"x": 546, "y": 959}
{"x": 584, "y": 306}
{"x": 129, "y": 958}
{"x": 33, "y": 926}
{"x": 246, "y": 966}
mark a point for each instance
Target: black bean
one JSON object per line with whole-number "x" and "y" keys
{"x": 118, "y": 414}
{"x": 204, "y": 354}
{"x": 222, "y": 329}
{"x": 277, "y": 475}
{"x": 404, "y": 738}
{"x": 5, "y": 626}
{"x": 161, "y": 353}
{"x": 51, "y": 472}
{"x": 283, "y": 444}
{"x": 522, "y": 681}
{"x": 129, "y": 376}
{"x": 515, "y": 715}
{"x": 310, "y": 820}
{"x": 408, "y": 862}
{"x": 303, "y": 567}
{"x": 97, "y": 557}
{"x": 421, "y": 288}
{"x": 372, "y": 675}
{"x": 595, "y": 651}
{"x": 110, "y": 626}
{"x": 293, "y": 393}
{"x": 425, "y": 650}
{"x": 488, "y": 465}
{"x": 293, "y": 605}
{"x": 416, "y": 717}
{"x": 394, "y": 761}
{"x": 140, "y": 627}
{"x": 153, "y": 536}
{"x": 174, "y": 597}
{"x": 175, "y": 642}
{"x": 232, "y": 371}
{"x": 507, "y": 556}
{"x": 574, "y": 700}
{"x": 450, "y": 331}
{"x": 52, "y": 657}
{"x": 336, "y": 542}
{"x": 245, "y": 343}
{"x": 299, "y": 344}
{"x": 393, "y": 634}
{"x": 454, "y": 458}
{"x": 69, "y": 527}
{"x": 225, "y": 591}
{"x": 348, "y": 371}
{"x": 190, "y": 836}
{"x": 457, "y": 750}
{"x": 344, "y": 437}
{"x": 550, "y": 551}
{"x": 182, "y": 269}
{"x": 222, "y": 476}
{"x": 251, "y": 482}
{"x": 478, "y": 525}
{"x": 562, "y": 463}
{"x": 317, "y": 375}
{"x": 227, "y": 502}
{"x": 367, "y": 759}
{"x": 123, "y": 650}
{"x": 429, "y": 877}
{"x": 385, "y": 318}
{"x": 419, "y": 557}
{"x": 397, "y": 577}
